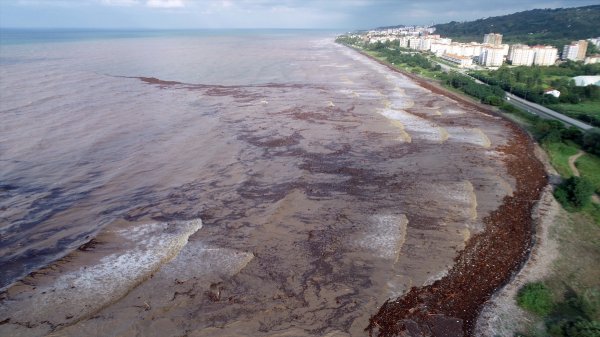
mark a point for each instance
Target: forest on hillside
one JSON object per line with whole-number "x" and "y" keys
{"x": 538, "y": 26}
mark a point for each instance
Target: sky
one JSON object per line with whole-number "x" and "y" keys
{"x": 311, "y": 14}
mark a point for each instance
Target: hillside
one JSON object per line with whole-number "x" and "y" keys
{"x": 544, "y": 26}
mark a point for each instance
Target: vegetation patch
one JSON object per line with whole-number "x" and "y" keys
{"x": 530, "y": 27}
{"x": 574, "y": 193}
{"x": 536, "y": 298}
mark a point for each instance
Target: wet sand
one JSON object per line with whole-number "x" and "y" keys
{"x": 313, "y": 213}
{"x": 451, "y": 305}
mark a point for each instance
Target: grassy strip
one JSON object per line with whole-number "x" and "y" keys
{"x": 589, "y": 168}
{"x": 559, "y": 153}
{"x": 586, "y": 108}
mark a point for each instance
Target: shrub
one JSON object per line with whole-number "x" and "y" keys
{"x": 584, "y": 328}
{"x": 590, "y": 303}
{"x": 535, "y": 297}
{"x": 574, "y": 193}
{"x": 591, "y": 141}
{"x": 573, "y": 134}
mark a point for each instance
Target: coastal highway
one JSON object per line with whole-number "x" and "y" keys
{"x": 544, "y": 112}
{"x": 528, "y": 106}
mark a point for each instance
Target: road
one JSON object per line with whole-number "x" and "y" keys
{"x": 545, "y": 112}
{"x": 528, "y": 106}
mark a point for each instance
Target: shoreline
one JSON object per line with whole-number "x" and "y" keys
{"x": 500, "y": 315}
{"x": 490, "y": 260}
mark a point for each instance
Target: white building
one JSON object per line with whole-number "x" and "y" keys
{"x": 462, "y": 61}
{"x": 491, "y": 56}
{"x": 439, "y": 48}
{"x": 582, "y": 81}
{"x": 544, "y": 55}
{"x": 403, "y": 41}
{"x": 521, "y": 55}
{"x": 552, "y": 92}
{"x": 575, "y": 51}
{"x": 595, "y": 41}
{"x": 493, "y": 39}
{"x": 414, "y": 43}
{"x": 592, "y": 59}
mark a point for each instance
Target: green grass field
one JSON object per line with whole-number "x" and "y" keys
{"x": 559, "y": 154}
{"x": 589, "y": 168}
{"x": 591, "y": 108}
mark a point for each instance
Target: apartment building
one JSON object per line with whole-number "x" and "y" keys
{"x": 491, "y": 56}
{"x": 493, "y": 39}
{"x": 544, "y": 55}
{"x": 521, "y": 55}
{"x": 575, "y": 51}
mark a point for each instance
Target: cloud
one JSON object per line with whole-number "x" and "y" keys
{"x": 124, "y": 3}
{"x": 165, "y": 3}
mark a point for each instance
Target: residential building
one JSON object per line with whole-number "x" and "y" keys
{"x": 521, "y": 55}
{"x": 414, "y": 43}
{"x": 592, "y": 59}
{"x": 462, "y": 61}
{"x": 403, "y": 41}
{"x": 491, "y": 56}
{"x": 439, "y": 48}
{"x": 493, "y": 39}
{"x": 544, "y": 55}
{"x": 595, "y": 41}
{"x": 583, "y": 44}
{"x": 575, "y": 51}
{"x": 505, "y": 49}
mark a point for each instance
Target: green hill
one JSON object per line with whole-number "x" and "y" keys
{"x": 539, "y": 26}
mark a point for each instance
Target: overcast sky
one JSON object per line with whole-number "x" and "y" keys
{"x": 181, "y": 14}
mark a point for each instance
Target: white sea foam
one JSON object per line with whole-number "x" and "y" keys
{"x": 386, "y": 236}
{"x": 82, "y": 292}
{"x": 417, "y": 127}
{"x": 468, "y": 135}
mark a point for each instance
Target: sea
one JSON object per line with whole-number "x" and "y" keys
{"x": 83, "y": 140}
{"x": 225, "y": 182}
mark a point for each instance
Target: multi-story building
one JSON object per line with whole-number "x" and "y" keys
{"x": 462, "y": 61}
{"x": 493, "y": 39}
{"x": 575, "y": 51}
{"x": 592, "y": 59}
{"x": 544, "y": 55}
{"x": 403, "y": 41}
{"x": 583, "y": 44}
{"x": 414, "y": 43}
{"x": 491, "y": 56}
{"x": 521, "y": 55}
{"x": 439, "y": 48}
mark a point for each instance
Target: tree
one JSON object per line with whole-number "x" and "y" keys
{"x": 591, "y": 141}
{"x": 574, "y": 193}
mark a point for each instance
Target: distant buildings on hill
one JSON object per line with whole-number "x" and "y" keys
{"x": 491, "y": 53}
{"x": 575, "y": 51}
{"x": 493, "y": 39}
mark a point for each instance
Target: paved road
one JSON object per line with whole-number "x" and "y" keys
{"x": 527, "y": 105}
{"x": 545, "y": 112}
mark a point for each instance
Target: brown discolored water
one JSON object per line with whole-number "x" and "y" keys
{"x": 288, "y": 194}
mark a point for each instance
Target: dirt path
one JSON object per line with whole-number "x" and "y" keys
{"x": 572, "y": 160}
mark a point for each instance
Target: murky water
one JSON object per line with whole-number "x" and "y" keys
{"x": 267, "y": 184}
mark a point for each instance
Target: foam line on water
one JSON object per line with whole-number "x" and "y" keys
{"x": 386, "y": 236}
{"x": 81, "y": 292}
{"x": 419, "y": 128}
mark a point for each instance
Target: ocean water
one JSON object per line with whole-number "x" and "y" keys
{"x": 81, "y": 142}
{"x": 255, "y": 181}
